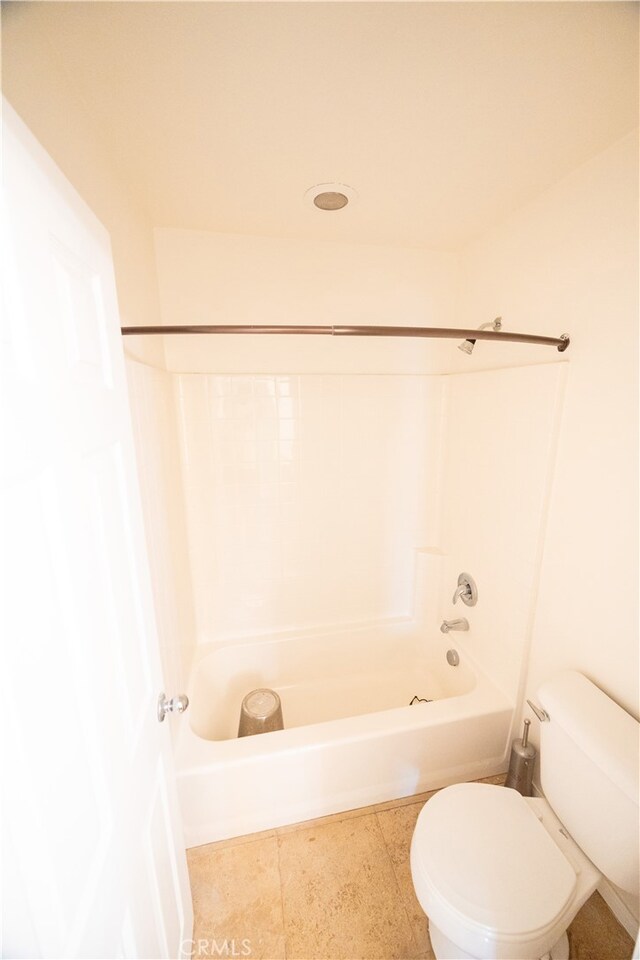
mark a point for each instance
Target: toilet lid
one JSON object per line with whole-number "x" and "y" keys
{"x": 482, "y": 851}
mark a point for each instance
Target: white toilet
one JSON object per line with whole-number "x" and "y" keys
{"x": 501, "y": 876}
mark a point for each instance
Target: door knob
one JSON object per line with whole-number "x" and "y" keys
{"x": 175, "y": 705}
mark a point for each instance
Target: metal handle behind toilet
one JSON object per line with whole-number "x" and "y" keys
{"x": 523, "y": 756}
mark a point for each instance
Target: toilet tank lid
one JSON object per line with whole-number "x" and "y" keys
{"x": 600, "y": 728}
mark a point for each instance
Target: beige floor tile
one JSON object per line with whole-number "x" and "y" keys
{"x": 237, "y": 899}
{"x": 339, "y": 888}
{"x": 340, "y": 895}
{"x": 595, "y": 934}
{"x": 397, "y": 829}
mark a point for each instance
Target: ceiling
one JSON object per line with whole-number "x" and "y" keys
{"x": 443, "y": 117}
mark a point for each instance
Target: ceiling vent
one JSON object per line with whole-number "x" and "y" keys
{"x": 330, "y": 196}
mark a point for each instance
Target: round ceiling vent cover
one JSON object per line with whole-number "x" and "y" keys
{"x": 330, "y": 200}
{"x": 330, "y": 196}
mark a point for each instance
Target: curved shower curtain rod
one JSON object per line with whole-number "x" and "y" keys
{"x": 561, "y": 342}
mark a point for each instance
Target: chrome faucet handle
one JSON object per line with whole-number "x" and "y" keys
{"x": 447, "y": 625}
{"x": 461, "y": 590}
{"x": 466, "y": 590}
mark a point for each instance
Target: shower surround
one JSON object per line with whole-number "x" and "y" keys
{"x": 326, "y": 519}
{"x": 306, "y": 497}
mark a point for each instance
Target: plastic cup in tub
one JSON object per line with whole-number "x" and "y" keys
{"x": 261, "y": 712}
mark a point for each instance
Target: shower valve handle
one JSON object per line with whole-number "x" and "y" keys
{"x": 462, "y": 590}
{"x": 466, "y": 590}
{"x": 447, "y": 625}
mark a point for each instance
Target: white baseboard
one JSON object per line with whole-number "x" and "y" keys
{"x": 619, "y": 908}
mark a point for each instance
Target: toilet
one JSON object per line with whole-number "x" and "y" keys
{"x": 501, "y": 876}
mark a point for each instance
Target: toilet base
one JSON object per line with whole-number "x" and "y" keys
{"x": 446, "y": 949}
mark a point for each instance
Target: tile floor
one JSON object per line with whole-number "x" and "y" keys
{"x": 338, "y": 888}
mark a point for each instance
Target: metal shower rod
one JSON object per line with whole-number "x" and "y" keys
{"x": 561, "y": 343}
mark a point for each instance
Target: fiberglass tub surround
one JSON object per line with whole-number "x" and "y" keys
{"x": 328, "y": 518}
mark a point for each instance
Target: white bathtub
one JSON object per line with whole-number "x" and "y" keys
{"x": 350, "y": 737}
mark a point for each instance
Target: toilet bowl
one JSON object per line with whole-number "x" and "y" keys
{"x": 499, "y": 875}
{"x": 496, "y": 874}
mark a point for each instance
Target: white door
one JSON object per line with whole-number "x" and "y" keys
{"x": 93, "y": 856}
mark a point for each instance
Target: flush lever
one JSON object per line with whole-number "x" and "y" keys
{"x": 541, "y": 714}
{"x": 175, "y": 705}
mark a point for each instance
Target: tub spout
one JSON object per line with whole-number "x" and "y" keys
{"x": 447, "y": 625}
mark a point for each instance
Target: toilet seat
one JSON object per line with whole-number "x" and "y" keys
{"x": 493, "y": 872}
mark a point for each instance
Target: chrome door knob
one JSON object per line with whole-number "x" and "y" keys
{"x": 175, "y": 705}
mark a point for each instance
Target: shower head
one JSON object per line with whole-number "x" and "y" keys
{"x": 467, "y": 345}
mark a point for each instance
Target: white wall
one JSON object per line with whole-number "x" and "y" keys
{"x": 307, "y": 497}
{"x": 52, "y": 106}
{"x": 569, "y": 262}
{"x": 222, "y": 278}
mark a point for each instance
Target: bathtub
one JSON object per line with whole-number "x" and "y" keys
{"x": 350, "y": 739}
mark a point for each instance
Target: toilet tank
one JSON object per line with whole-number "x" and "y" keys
{"x": 589, "y": 771}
